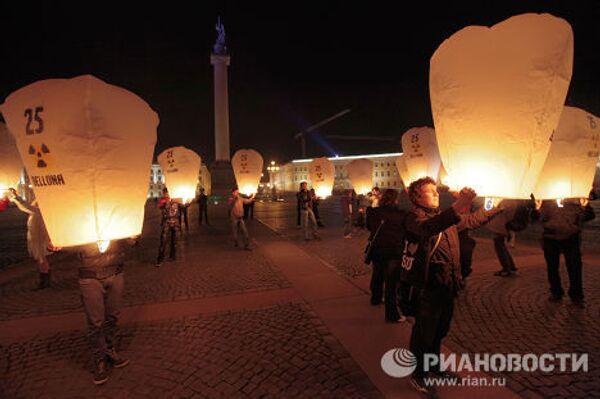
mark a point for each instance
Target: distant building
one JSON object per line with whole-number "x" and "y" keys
{"x": 385, "y": 174}
{"x": 157, "y": 181}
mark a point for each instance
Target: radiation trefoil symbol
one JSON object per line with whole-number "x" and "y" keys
{"x": 39, "y": 154}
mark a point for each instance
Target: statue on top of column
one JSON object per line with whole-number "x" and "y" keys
{"x": 220, "y": 48}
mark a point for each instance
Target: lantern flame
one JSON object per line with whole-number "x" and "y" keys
{"x": 103, "y": 245}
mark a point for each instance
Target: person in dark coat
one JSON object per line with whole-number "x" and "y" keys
{"x": 500, "y": 231}
{"x": 387, "y": 252}
{"x": 202, "y": 207}
{"x": 315, "y": 207}
{"x": 562, "y": 235}
{"x": 431, "y": 263}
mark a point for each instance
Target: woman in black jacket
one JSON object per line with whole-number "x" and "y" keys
{"x": 387, "y": 253}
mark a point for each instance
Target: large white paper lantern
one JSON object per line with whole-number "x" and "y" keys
{"x": 360, "y": 172}
{"x": 87, "y": 147}
{"x": 10, "y": 161}
{"x": 571, "y": 163}
{"x": 403, "y": 170}
{"x": 321, "y": 172}
{"x": 496, "y": 95}
{"x": 421, "y": 155}
{"x": 180, "y": 167}
{"x": 247, "y": 166}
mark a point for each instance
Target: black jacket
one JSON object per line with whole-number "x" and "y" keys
{"x": 563, "y": 223}
{"x": 442, "y": 267}
{"x": 389, "y": 241}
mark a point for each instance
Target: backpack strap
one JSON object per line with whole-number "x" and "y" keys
{"x": 435, "y": 247}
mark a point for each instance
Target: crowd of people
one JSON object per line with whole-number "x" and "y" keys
{"x": 420, "y": 255}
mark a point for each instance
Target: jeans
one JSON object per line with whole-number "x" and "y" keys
{"x": 166, "y": 230}
{"x": 238, "y": 225}
{"x": 309, "y": 217}
{"x": 504, "y": 257}
{"x": 572, "y": 252}
{"x": 101, "y": 301}
{"x": 432, "y": 323}
{"x": 202, "y": 211}
{"x": 183, "y": 214}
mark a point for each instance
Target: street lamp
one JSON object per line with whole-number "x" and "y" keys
{"x": 272, "y": 168}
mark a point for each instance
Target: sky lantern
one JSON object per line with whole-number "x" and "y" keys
{"x": 420, "y": 153}
{"x": 403, "y": 170}
{"x": 247, "y": 166}
{"x": 571, "y": 163}
{"x": 87, "y": 147}
{"x": 360, "y": 172}
{"x": 181, "y": 168}
{"x": 496, "y": 96}
{"x": 321, "y": 173}
{"x": 10, "y": 161}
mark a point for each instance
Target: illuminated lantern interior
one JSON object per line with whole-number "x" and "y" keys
{"x": 247, "y": 166}
{"x": 360, "y": 172}
{"x": 10, "y": 161}
{"x": 403, "y": 170}
{"x": 496, "y": 95}
{"x": 420, "y": 153}
{"x": 322, "y": 173}
{"x": 571, "y": 164}
{"x": 181, "y": 168}
{"x": 87, "y": 147}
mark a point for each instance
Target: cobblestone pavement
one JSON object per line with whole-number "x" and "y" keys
{"x": 281, "y": 351}
{"x": 13, "y": 237}
{"x": 494, "y": 314}
{"x": 208, "y": 265}
{"x": 514, "y": 316}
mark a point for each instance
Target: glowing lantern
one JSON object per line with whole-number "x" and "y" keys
{"x": 88, "y": 148}
{"x": 421, "y": 154}
{"x": 247, "y": 166}
{"x": 181, "y": 167}
{"x": 571, "y": 164}
{"x": 360, "y": 172}
{"x": 321, "y": 172}
{"x": 10, "y": 161}
{"x": 403, "y": 170}
{"x": 496, "y": 95}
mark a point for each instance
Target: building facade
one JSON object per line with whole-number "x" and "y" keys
{"x": 385, "y": 174}
{"x": 157, "y": 181}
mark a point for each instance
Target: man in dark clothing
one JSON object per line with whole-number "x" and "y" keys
{"x": 387, "y": 252}
{"x": 562, "y": 234}
{"x": 299, "y": 208}
{"x": 431, "y": 261}
{"x": 183, "y": 216}
{"x": 348, "y": 208}
{"x": 309, "y": 222}
{"x": 169, "y": 225}
{"x": 202, "y": 207}
{"x": 101, "y": 285}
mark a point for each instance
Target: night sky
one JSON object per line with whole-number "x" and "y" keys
{"x": 293, "y": 63}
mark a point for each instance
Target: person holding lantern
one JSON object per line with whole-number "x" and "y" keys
{"x": 315, "y": 207}
{"x": 202, "y": 207}
{"x": 170, "y": 219}
{"x": 38, "y": 240}
{"x": 431, "y": 264}
{"x": 308, "y": 216}
{"x": 562, "y": 234}
{"x": 236, "y": 213}
{"x": 101, "y": 283}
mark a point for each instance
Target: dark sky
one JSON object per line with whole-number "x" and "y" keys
{"x": 293, "y": 63}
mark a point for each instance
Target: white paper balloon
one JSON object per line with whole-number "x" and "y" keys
{"x": 10, "y": 161}
{"x": 247, "y": 166}
{"x": 421, "y": 155}
{"x": 87, "y": 146}
{"x": 571, "y": 164}
{"x": 360, "y": 172}
{"x": 403, "y": 170}
{"x": 181, "y": 168}
{"x": 496, "y": 95}
{"x": 321, "y": 172}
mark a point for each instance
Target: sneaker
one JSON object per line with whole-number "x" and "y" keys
{"x": 400, "y": 319}
{"x": 113, "y": 358}
{"x": 101, "y": 373}
{"x": 158, "y": 263}
{"x": 418, "y": 383}
{"x": 348, "y": 236}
